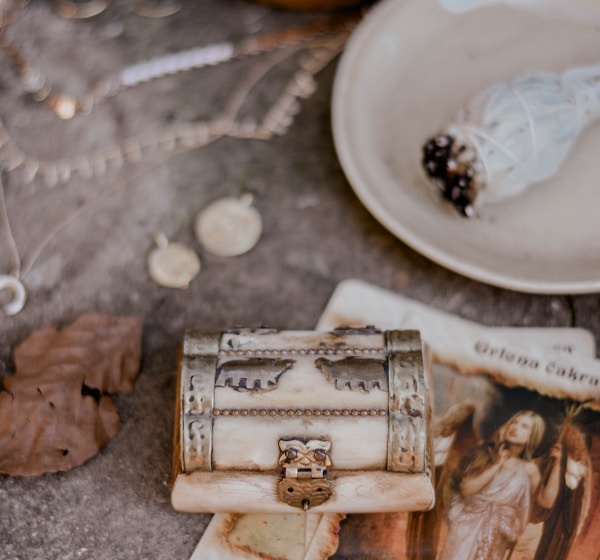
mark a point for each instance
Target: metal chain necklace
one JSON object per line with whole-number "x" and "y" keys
{"x": 188, "y": 135}
{"x": 161, "y": 145}
{"x": 66, "y": 106}
{"x": 11, "y": 282}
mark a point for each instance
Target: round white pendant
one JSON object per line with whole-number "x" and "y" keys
{"x": 229, "y": 226}
{"x": 18, "y": 294}
{"x": 173, "y": 265}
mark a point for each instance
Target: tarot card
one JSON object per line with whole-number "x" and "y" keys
{"x": 517, "y": 469}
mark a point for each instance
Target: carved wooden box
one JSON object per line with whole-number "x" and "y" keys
{"x": 269, "y": 421}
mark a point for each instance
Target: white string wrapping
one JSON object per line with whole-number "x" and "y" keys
{"x": 519, "y": 132}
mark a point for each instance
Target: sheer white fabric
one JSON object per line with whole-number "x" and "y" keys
{"x": 487, "y": 524}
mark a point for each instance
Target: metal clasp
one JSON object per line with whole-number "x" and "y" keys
{"x": 304, "y": 484}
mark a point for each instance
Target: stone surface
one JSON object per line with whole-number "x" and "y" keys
{"x": 316, "y": 233}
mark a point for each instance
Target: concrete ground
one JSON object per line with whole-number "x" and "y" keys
{"x": 316, "y": 233}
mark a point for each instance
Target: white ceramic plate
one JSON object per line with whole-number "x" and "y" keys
{"x": 407, "y": 68}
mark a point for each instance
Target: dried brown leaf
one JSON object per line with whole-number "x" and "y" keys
{"x": 55, "y": 413}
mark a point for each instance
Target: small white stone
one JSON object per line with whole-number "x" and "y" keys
{"x": 229, "y": 226}
{"x": 173, "y": 265}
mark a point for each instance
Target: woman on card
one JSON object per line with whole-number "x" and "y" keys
{"x": 494, "y": 489}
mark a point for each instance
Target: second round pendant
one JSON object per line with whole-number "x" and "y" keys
{"x": 229, "y": 226}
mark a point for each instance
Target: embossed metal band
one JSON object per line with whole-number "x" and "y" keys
{"x": 407, "y": 435}
{"x": 198, "y": 365}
